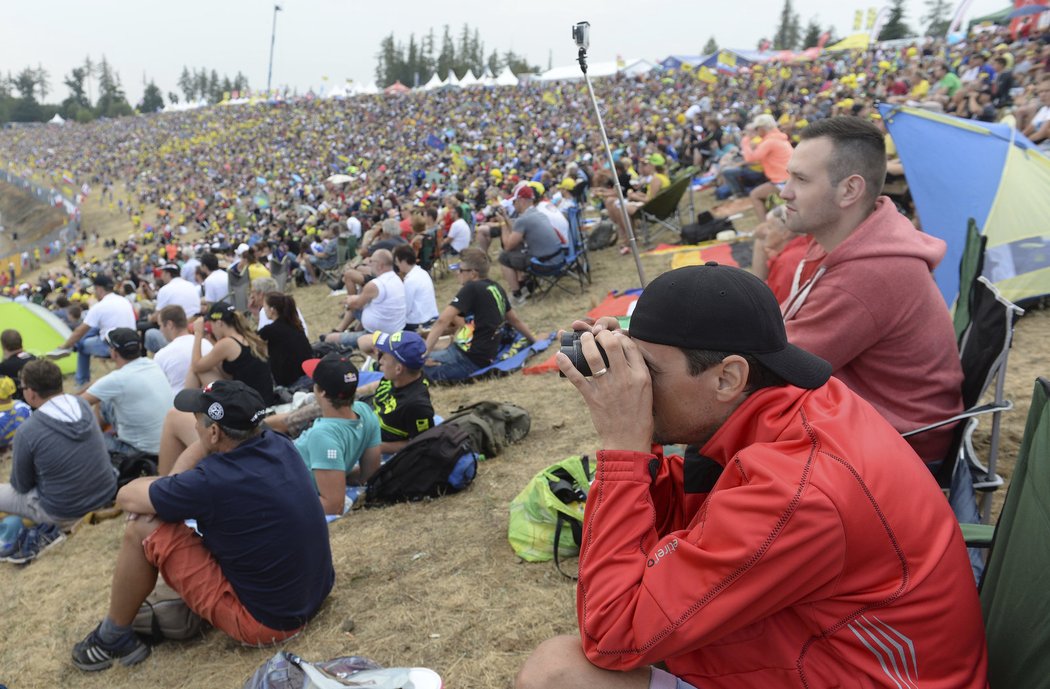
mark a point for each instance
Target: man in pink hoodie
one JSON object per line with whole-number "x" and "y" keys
{"x": 863, "y": 297}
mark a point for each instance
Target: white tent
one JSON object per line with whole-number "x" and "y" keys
{"x": 469, "y": 79}
{"x": 434, "y": 83}
{"x": 596, "y": 70}
{"x": 506, "y": 78}
{"x": 368, "y": 89}
{"x": 57, "y": 119}
{"x": 452, "y": 80}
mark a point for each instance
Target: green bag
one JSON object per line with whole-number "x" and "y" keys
{"x": 492, "y": 425}
{"x": 552, "y": 500}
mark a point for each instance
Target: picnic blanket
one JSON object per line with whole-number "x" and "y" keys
{"x": 513, "y": 356}
{"x": 616, "y": 304}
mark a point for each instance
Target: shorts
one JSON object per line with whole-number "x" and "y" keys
{"x": 661, "y": 679}
{"x": 193, "y": 572}
{"x": 517, "y": 259}
{"x": 495, "y": 232}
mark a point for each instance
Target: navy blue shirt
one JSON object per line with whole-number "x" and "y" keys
{"x": 260, "y": 516}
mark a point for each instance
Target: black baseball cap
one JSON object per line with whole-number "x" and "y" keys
{"x": 723, "y": 309}
{"x": 334, "y": 373}
{"x": 102, "y": 280}
{"x": 124, "y": 340}
{"x": 221, "y": 310}
{"x": 172, "y": 268}
{"x": 229, "y": 403}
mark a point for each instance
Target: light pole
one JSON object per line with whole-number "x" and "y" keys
{"x": 273, "y": 37}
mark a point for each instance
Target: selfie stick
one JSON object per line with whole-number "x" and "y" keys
{"x": 582, "y": 59}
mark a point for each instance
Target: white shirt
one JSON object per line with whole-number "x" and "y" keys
{"x": 557, "y": 218}
{"x": 179, "y": 292}
{"x": 385, "y": 313}
{"x": 420, "y": 302}
{"x": 353, "y": 226}
{"x": 113, "y": 311}
{"x": 1043, "y": 115}
{"x": 216, "y": 286}
{"x": 459, "y": 233}
{"x": 174, "y": 359}
{"x": 189, "y": 270}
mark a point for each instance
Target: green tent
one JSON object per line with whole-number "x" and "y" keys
{"x": 42, "y": 331}
{"x": 1001, "y": 17}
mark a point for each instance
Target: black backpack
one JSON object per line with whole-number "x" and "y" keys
{"x": 436, "y": 462}
{"x": 705, "y": 229}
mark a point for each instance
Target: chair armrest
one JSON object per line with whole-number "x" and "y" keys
{"x": 978, "y": 535}
{"x": 989, "y": 408}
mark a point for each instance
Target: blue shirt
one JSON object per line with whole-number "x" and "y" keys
{"x": 258, "y": 511}
{"x": 337, "y": 444}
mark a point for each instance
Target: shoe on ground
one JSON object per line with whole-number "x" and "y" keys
{"x": 34, "y": 542}
{"x": 92, "y": 655}
{"x": 337, "y": 293}
{"x": 59, "y": 353}
{"x": 519, "y": 299}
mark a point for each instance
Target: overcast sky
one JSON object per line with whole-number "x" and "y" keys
{"x": 339, "y": 38}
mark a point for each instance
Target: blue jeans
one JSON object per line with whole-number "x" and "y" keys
{"x": 453, "y": 364}
{"x": 743, "y": 179}
{"x": 88, "y": 346}
{"x": 155, "y": 340}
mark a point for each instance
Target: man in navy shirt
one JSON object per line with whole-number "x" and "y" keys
{"x": 259, "y": 564}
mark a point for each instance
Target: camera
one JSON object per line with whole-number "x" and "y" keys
{"x": 581, "y": 33}
{"x": 573, "y": 348}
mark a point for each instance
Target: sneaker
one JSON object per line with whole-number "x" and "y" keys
{"x": 92, "y": 655}
{"x": 519, "y": 298}
{"x": 59, "y": 353}
{"x": 337, "y": 293}
{"x": 34, "y": 542}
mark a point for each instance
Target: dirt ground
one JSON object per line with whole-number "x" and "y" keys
{"x": 433, "y": 583}
{"x": 23, "y": 214}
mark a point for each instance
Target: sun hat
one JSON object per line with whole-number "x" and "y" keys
{"x": 730, "y": 310}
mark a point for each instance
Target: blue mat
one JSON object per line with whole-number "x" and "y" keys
{"x": 514, "y": 355}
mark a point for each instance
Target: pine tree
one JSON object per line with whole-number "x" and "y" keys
{"x": 787, "y": 34}
{"x": 813, "y": 32}
{"x": 711, "y": 47}
{"x": 938, "y": 17}
{"x": 446, "y": 58}
{"x": 186, "y": 84}
{"x": 895, "y": 27}
{"x": 152, "y": 101}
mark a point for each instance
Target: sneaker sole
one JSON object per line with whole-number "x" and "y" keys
{"x": 26, "y": 559}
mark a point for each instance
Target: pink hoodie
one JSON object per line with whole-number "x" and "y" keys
{"x": 872, "y": 309}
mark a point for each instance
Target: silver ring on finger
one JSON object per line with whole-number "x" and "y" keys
{"x": 599, "y": 373}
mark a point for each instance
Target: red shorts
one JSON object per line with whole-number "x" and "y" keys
{"x": 192, "y": 571}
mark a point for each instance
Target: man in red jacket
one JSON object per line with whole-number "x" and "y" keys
{"x": 806, "y": 545}
{"x": 863, "y": 297}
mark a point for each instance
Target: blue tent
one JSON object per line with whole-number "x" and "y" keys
{"x": 959, "y": 169}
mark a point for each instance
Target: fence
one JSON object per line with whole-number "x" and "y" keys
{"x": 52, "y": 245}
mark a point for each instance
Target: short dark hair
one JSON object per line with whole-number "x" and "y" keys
{"x": 43, "y": 377}
{"x": 860, "y": 149}
{"x": 173, "y": 314}
{"x": 210, "y": 261}
{"x": 758, "y": 376}
{"x": 237, "y": 435}
{"x": 11, "y": 340}
{"x": 405, "y": 252}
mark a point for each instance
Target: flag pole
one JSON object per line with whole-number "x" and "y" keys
{"x": 273, "y": 38}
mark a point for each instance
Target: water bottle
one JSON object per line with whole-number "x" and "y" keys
{"x": 10, "y": 527}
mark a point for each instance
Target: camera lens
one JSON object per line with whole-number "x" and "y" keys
{"x": 573, "y": 348}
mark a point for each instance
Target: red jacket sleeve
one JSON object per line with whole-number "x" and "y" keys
{"x": 748, "y": 552}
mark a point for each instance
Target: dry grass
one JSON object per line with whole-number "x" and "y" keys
{"x": 432, "y": 584}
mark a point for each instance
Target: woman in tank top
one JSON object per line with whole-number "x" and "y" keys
{"x": 238, "y": 352}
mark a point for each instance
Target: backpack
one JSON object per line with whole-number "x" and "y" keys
{"x": 164, "y": 615}
{"x": 492, "y": 425}
{"x": 705, "y": 229}
{"x": 434, "y": 463}
{"x": 601, "y": 236}
{"x": 551, "y": 500}
{"x": 132, "y": 466}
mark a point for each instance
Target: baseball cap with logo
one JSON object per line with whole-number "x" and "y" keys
{"x": 524, "y": 191}
{"x": 406, "y": 346}
{"x": 124, "y": 340}
{"x": 229, "y": 403}
{"x": 221, "y": 310}
{"x": 334, "y": 373}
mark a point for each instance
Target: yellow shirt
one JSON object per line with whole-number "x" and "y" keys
{"x": 257, "y": 270}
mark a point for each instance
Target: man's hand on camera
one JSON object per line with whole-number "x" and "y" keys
{"x": 619, "y": 396}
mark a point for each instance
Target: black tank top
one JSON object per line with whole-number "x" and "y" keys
{"x": 252, "y": 371}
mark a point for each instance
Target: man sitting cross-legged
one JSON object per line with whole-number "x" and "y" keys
{"x": 262, "y": 566}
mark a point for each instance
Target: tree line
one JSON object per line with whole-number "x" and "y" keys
{"x": 413, "y": 64}
{"x": 23, "y": 96}
{"x": 790, "y": 35}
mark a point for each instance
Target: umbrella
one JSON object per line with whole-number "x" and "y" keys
{"x": 1027, "y": 10}
{"x": 304, "y": 209}
{"x": 340, "y": 179}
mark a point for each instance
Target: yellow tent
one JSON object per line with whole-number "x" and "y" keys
{"x": 858, "y": 41}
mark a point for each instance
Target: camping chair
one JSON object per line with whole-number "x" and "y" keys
{"x": 572, "y": 261}
{"x": 239, "y": 284}
{"x": 279, "y": 271}
{"x": 983, "y": 350}
{"x": 345, "y": 245}
{"x": 662, "y": 210}
{"x": 1013, "y": 592}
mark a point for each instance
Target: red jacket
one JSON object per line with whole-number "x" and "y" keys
{"x": 824, "y": 556}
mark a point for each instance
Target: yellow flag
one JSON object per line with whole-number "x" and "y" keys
{"x": 726, "y": 58}
{"x": 858, "y": 19}
{"x": 549, "y": 98}
{"x": 686, "y": 67}
{"x": 705, "y": 75}
{"x": 872, "y": 14}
